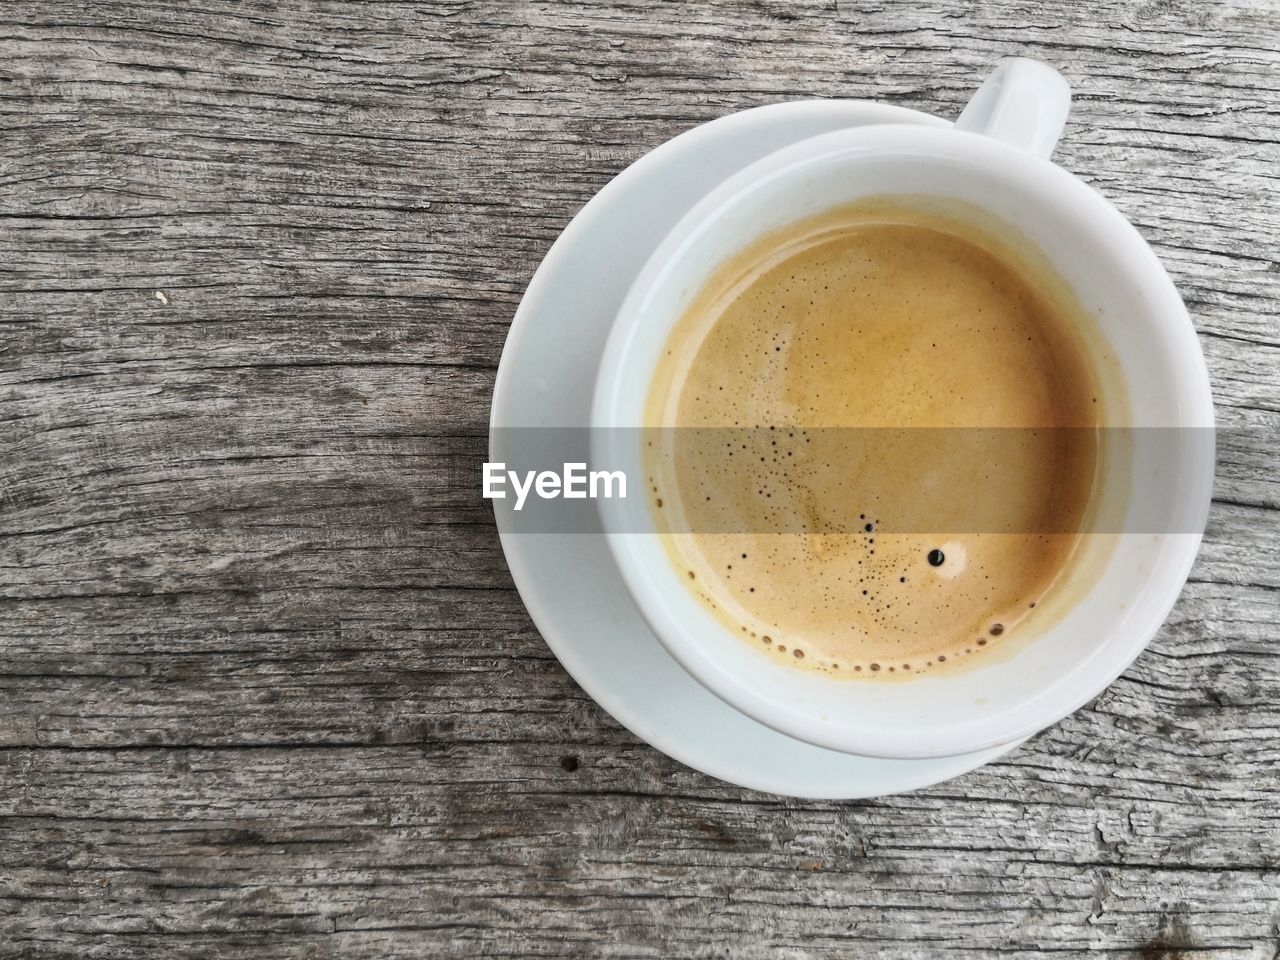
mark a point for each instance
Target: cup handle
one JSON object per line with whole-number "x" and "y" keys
{"x": 1023, "y": 103}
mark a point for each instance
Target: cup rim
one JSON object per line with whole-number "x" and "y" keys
{"x": 1088, "y": 677}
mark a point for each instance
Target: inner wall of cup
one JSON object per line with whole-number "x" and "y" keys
{"x": 1109, "y": 275}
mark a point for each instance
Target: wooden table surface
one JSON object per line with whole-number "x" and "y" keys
{"x": 268, "y": 690}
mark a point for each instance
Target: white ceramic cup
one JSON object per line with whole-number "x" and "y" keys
{"x": 995, "y": 158}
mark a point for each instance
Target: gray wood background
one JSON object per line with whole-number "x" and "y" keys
{"x": 266, "y": 689}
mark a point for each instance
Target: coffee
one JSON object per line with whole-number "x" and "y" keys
{"x": 817, "y": 406}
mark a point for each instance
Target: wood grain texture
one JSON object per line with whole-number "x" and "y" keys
{"x": 268, "y": 691}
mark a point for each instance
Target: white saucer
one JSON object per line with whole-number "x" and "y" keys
{"x": 568, "y": 581}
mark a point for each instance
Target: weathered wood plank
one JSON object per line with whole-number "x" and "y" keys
{"x": 268, "y": 691}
